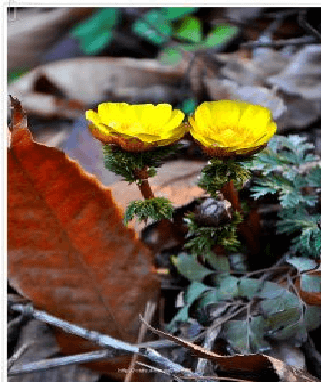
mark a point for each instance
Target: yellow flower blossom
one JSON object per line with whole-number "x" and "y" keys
{"x": 136, "y": 127}
{"x": 229, "y": 128}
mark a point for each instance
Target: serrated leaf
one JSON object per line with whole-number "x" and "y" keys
{"x": 302, "y": 264}
{"x": 311, "y": 283}
{"x": 189, "y": 29}
{"x": 189, "y": 267}
{"x": 68, "y": 250}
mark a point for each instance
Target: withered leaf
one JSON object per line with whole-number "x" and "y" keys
{"x": 68, "y": 250}
{"x": 253, "y": 367}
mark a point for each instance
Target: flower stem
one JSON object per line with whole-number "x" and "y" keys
{"x": 144, "y": 186}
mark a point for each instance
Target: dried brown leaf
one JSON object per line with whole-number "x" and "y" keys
{"x": 68, "y": 250}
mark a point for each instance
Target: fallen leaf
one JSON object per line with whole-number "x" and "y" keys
{"x": 89, "y": 80}
{"x": 31, "y": 31}
{"x": 68, "y": 250}
{"x": 254, "y": 367}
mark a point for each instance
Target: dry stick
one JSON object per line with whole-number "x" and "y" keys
{"x": 18, "y": 354}
{"x": 149, "y": 312}
{"x": 210, "y": 337}
{"x": 102, "y": 340}
{"x": 61, "y": 361}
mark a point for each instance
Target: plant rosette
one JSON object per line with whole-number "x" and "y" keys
{"x": 136, "y": 128}
{"x": 229, "y": 129}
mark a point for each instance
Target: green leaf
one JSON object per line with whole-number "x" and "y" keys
{"x": 248, "y": 287}
{"x": 283, "y": 302}
{"x": 210, "y": 297}
{"x": 311, "y": 283}
{"x": 157, "y": 208}
{"x": 189, "y": 29}
{"x": 153, "y": 26}
{"x": 228, "y": 288}
{"x": 16, "y": 74}
{"x": 312, "y": 317}
{"x": 170, "y": 56}
{"x": 236, "y": 332}
{"x": 174, "y": 13}
{"x": 219, "y": 263}
{"x": 271, "y": 290}
{"x": 302, "y": 264}
{"x": 188, "y": 266}
{"x": 97, "y": 32}
{"x": 220, "y": 35}
{"x": 181, "y": 316}
{"x": 194, "y": 290}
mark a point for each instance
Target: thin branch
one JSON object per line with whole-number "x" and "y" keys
{"x": 210, "y": 338}
{"x": 61, "y": 361}
{"x": 279, "y": 43}
{"x": 148, "y": 315}
{"x": 104, "y": 340}
{"x": 18, "y": 354}
{"x": 302, "y": 21}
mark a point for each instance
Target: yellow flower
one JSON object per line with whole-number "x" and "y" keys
{"x": 229, "y": 128}
{"x": 136, "y": 127}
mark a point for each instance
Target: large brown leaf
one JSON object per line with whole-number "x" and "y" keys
{"x": 68, "y": 250}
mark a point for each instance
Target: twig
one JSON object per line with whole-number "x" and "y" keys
{"x": 18, "y": 354}
{"x": 279, "y": 43}
{"x": 210, "y": 337}
{"x": 248, "y": 327}
{"x": 149, "y": 312}
{"x": 218, "y": 378}
{"x": 302, "y": 21}
{"x": 104, "y": 340}
{"x": 61, "y": 361}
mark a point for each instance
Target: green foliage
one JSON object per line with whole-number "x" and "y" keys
{"x": 189, "y": 267}
{"x": 156, "y": 24}
{"x": 217, "y": 173}
{"x": 279, "y": 164}
{"x": 96, "y": 32}
{"x": 189, "y": 29}
{"x": 124, "y": 163}
{"x": 218, "y": 37}
{"x": 156, "y": 209}
{"x": 278, "y": 313}
{"x": 204, "y": 238}
{"x": 298, "y": 220}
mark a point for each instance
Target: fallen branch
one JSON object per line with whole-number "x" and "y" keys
{"x": 103, "y": 340}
